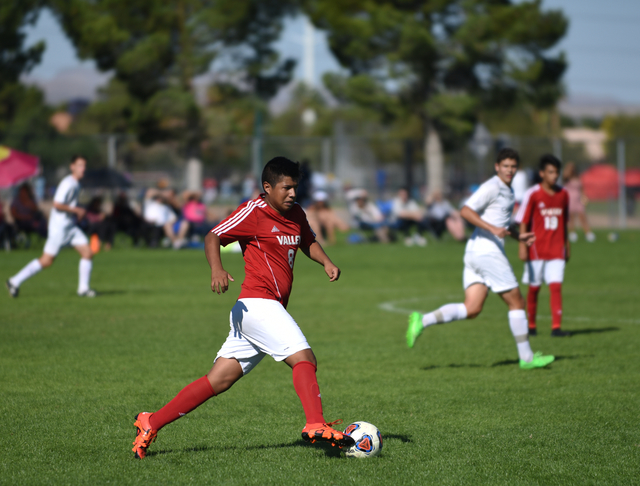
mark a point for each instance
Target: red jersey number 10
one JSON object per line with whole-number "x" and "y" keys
{"x": 551, "y": 223}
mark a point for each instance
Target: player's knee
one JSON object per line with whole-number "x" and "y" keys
{"x": 46, "y": 261}
{"x": 473, "y": 313}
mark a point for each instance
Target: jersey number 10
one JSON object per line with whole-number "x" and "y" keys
{"x": 550, "y": 223}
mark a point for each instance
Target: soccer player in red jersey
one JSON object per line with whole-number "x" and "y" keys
{"x": 544, "y": 211}
{"x": 270, "y": 230}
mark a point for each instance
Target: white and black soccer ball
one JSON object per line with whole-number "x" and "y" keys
{"x": 368, "y": 440}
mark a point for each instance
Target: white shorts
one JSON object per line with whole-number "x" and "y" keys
{"x": 57, "y": 239}
{"x": 490, "y": 269}
{"x": 260, "y": 327}
{"x": 552, "y": 271}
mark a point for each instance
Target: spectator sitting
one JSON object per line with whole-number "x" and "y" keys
{"x": 162, "y": 218}
{"x": 405, "y": 215}
{"x": 323, "y": 219}
{"x": 126, "y": 219}
{"x": 171, "y": 199}
{"x": 442, "y": 215}
{"x": 99, "y": 224}
{"x": 6, "y": 230}
{"x": 26, "y": 214}
{"x": 367, "y": 215}
{"x": 195, "y": 212}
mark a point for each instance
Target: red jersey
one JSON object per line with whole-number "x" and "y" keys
{"x": 269, "y": 242}
{"x": 546, "y": 215}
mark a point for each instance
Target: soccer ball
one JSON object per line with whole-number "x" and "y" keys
{"x": 368, "y": 440}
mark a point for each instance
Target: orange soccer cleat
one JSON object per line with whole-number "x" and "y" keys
{"x": 145, "y": 436}
{"x": 324, "y": 432}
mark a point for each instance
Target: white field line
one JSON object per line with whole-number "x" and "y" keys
{"x": 403, "y": 306}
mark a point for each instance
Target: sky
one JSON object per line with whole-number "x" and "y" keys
{"x": 602, "y": 46}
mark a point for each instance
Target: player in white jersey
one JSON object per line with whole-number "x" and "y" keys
{"x": 62, "y": 232}
{"x": 485, "y": 263}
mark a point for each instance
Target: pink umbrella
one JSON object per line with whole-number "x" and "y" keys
{"x": 16, "y": 166}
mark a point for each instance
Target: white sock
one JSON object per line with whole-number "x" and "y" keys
{"x": 84, "y": 270}
{"x": 446, "y": 313}
{"x": 520, "y": 330}
{"x": 29, "y": 270}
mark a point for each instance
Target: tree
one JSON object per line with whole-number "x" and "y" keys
{"x": 15, "y": 61}
{"x": 442, "y": 61}
{"x": 155, "y": 48}
{"x": 627, "y": 128}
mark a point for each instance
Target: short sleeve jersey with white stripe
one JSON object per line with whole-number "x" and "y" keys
{"x": 546, "y": 215}
{"x": 493, "y": 201}
{"x": 67, "y": 193}
{"x": 269, "y": 242}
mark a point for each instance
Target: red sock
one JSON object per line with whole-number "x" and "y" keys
{"x": 306, "y": 385}
{"x": 190, "y": 397}
{"x": 556, "y": 305}
{"x": 532, "y": 305}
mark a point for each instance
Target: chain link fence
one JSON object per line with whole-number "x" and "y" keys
{"x": 380, "y": 165}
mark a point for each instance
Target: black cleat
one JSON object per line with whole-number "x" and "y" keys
{"x": 13, "y": 290}
{"x": 560, "y": 333}
{"x": 533, "y": 331}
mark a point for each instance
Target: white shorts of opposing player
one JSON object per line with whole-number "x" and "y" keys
{"x": 490, "y": 269}
{"x": 549, "y": 271}
{"x": 261, "y": 327}
{"x": 493, "y": 270}
{"x": 58, "y": 238}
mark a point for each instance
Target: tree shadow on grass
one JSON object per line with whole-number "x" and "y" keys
{"x": 594, "y": 330}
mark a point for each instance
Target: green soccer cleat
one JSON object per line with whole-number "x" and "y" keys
{"x": 539, "y": 361}
{"x": 415, "y": 328}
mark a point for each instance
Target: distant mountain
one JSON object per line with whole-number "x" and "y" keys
{"x": 588, "y": 106}
{"x": 69, "y": 84}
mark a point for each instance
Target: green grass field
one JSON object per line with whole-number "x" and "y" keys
{"x": 456, "y": 409}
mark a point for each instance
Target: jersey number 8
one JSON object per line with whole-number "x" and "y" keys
{"x": 292, "y": 253}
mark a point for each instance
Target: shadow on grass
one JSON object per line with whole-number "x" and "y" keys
{"x": 104, "y": 293}
{"x": 401, "y": 437}
{"x": 506, "y": 362}
{"x": 328, "y": 450}
{"x": 452, "y": 365}
{"x": 577, "y": 356}
{"x": 594, "y": 330}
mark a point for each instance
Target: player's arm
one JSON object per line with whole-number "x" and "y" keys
{"x": 523, "y": 252}
{"x": 474, "y": 218}
{"x": 219, "y": 276}
{"x": 65, "y": 208}
{"x": 317, "y": 254}
{"x": 525, "y": 237}
{"x": 567, "y": 245}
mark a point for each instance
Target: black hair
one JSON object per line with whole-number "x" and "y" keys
{"x": 279, "y": 167}
{"x": 75, "y": 157}
{"x": 508, "y": 153}
{"x": 548, "y": 159}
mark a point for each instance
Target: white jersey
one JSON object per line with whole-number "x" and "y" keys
{"x": 493, "y": 201}
{"x": 67, "y": 193}
{"x": 157, "y": 213}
